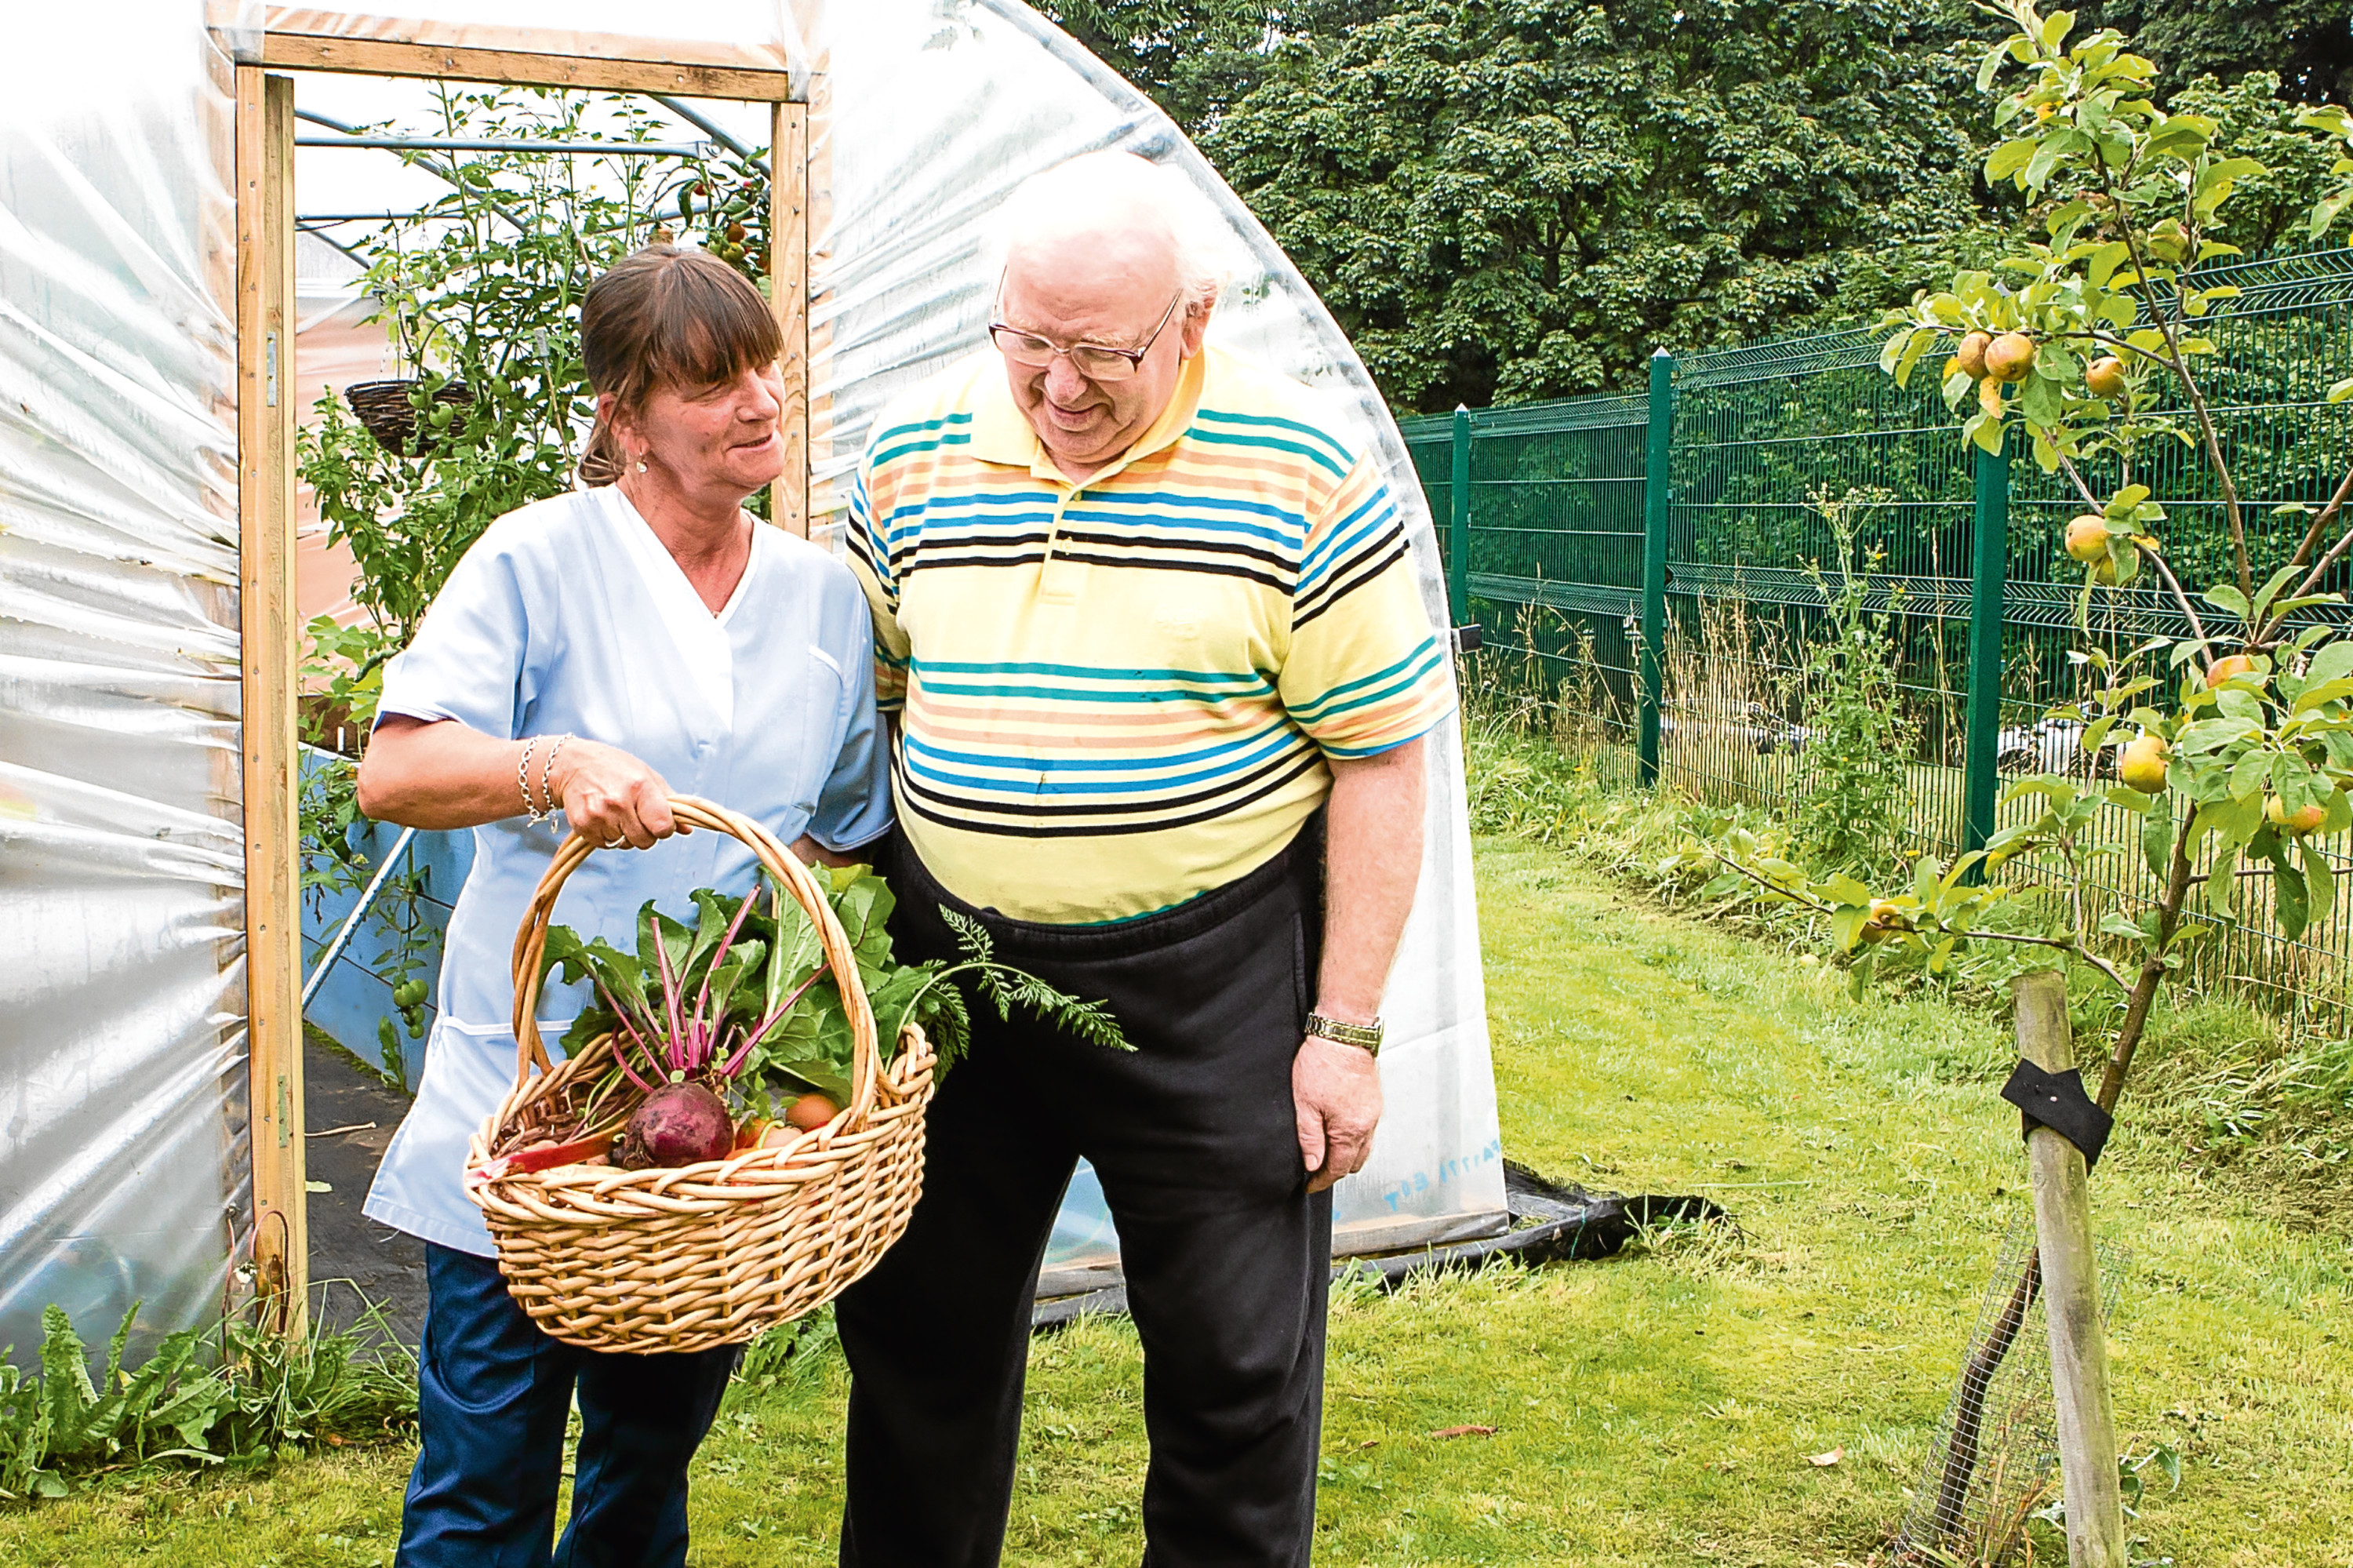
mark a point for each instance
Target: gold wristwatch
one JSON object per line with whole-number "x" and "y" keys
{"x": 1364, "y": 1036}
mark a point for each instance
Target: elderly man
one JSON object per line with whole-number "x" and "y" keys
{"x": 1164, "y": 675}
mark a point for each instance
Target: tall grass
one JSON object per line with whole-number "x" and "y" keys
{"x": 2232, "y": 1088}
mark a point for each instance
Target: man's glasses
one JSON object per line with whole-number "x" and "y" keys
{"x": 1095, "y": 361}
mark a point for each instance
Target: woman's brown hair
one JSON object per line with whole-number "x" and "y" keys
{"x": 666, "y": 316}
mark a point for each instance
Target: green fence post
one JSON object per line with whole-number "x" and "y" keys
{"x": 1458, "y": 532}
{"x": 1656, "y": 452}
{"x": 1989, "y": 561}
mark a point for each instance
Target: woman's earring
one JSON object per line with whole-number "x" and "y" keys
{"x": 641, "y": 465}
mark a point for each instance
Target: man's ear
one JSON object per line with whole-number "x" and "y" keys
{"x": 1197, "y": 325}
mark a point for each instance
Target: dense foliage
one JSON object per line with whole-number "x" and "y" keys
{"x": 1504, "y": 200}
{"x": 1512, "y": 201}
{"x": 2309, "y": 43}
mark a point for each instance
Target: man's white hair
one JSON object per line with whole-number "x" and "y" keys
{"x": 1198, "y": 236}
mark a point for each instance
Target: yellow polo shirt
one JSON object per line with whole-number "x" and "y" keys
{"x": 1116, "y": 695}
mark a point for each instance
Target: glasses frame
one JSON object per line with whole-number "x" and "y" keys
{"x": 1134, "y": 356}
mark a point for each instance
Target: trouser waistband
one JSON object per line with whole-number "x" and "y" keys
{"x": 1298, "y": 864}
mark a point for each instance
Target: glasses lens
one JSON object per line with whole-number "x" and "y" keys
{"x": 1021, "y": 347}
{"x": 1101, "y": 364}
{"x": 1094, "y": 363}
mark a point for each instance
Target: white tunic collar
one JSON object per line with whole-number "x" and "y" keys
{"x": 700, "y": 636}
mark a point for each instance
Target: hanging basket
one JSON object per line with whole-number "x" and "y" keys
{"x": 386, "y": 408}
{"x": 698, "y": 1256}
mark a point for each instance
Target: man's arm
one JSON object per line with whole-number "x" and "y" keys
{"x": 1373, "y": 860}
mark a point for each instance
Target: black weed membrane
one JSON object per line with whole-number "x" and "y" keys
{"x": 1549, "y": 1223}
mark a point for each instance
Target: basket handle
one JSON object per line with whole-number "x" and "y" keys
{"x": 531, "y": 943}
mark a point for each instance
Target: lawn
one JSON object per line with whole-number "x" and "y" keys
{"x": 1659, "y": 1408}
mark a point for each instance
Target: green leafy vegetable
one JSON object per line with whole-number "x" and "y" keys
{"x": 742, "y": 998}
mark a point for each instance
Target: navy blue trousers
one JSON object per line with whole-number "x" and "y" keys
{"x": 492, "y": 1396}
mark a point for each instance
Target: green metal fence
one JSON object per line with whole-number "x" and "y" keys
{"x": 1716, "y": 487}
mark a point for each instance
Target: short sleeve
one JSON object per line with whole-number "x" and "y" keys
{"x": 871, "y": 563}
{"x": 468, "y": 659}
{"x": 1365, "y": 673}
{"x": 854, "y": 807}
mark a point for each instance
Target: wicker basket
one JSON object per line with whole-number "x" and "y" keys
{"x": 687, "y": 1258}
{"x": 389, "y": 411}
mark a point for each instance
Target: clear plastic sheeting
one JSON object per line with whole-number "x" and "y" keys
{"x": 121, "y": 1040}
{"x": 923, "y": 115}
{"x": 123, "y": 1171}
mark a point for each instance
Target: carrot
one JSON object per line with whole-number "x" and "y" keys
{"x": 545, "y": 1157}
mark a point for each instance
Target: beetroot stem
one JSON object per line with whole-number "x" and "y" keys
{"x": 670, "y": 999}
{"x": 621, "y": 1056}
{"x": 718, "y": 957}
{"x": 759, "y": 1032}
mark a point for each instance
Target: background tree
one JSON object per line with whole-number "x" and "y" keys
{"x": 1194, "y": 57}
{"x": 1504, "y": 201}
{"x": 2307, "y": 43}
{"x": 1511, "y": 199}
{"x": 2255, "y": 118}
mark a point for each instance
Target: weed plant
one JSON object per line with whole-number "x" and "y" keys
{"x": 1856, "y": 805}
{"x": 238, "y": 1395}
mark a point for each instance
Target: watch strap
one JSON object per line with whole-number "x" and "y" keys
{"x": 1364, "y": 1036}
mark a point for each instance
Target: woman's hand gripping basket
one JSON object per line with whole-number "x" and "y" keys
{"x": 684, "y": 1258}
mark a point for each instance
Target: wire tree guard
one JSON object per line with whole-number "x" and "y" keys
{"x": 710, "y": 1253}
{"x": 1994, "y": 1459}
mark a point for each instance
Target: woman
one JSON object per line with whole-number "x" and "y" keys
{"x": 591, "y": 655}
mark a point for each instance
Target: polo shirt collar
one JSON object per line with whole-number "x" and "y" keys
{"x": 1002, "y": 434}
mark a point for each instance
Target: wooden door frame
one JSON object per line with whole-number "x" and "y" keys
{"x": 271, "y": 647}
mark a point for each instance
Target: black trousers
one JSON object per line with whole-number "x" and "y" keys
{"x": 1225, "y": 1255}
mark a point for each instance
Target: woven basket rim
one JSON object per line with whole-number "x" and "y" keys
{"x": 869, "y": 1075}
{"x": 812, "y": 1151}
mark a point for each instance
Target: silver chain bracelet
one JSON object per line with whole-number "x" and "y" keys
{"x": 522, "y": 780}
{"x": 546, "y": 772}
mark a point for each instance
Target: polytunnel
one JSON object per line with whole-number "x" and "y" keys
{"x": 151, "y": 1042}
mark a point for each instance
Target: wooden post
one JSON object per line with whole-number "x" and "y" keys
{"x": 788, "y": 498}
{"x": 2071, "y": 1291}
{"x": 267, "y": 607}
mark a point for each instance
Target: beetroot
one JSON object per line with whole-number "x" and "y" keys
{"x": 678, "y": 1123}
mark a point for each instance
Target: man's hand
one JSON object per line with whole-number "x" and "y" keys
{"x": 1372, "y": 860}
{"x": 1336, "y": 1092}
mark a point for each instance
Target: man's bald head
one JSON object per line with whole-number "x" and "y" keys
{"x": 1116, "y": 205}
{"x": 1106, "y": 251}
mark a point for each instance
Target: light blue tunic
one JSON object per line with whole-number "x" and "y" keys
{"x": 570, "y": 616}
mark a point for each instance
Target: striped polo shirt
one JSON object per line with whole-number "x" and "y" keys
{"x": 1116, "y": 695}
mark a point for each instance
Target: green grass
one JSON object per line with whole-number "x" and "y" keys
{"x": 1659, "y": 1408}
